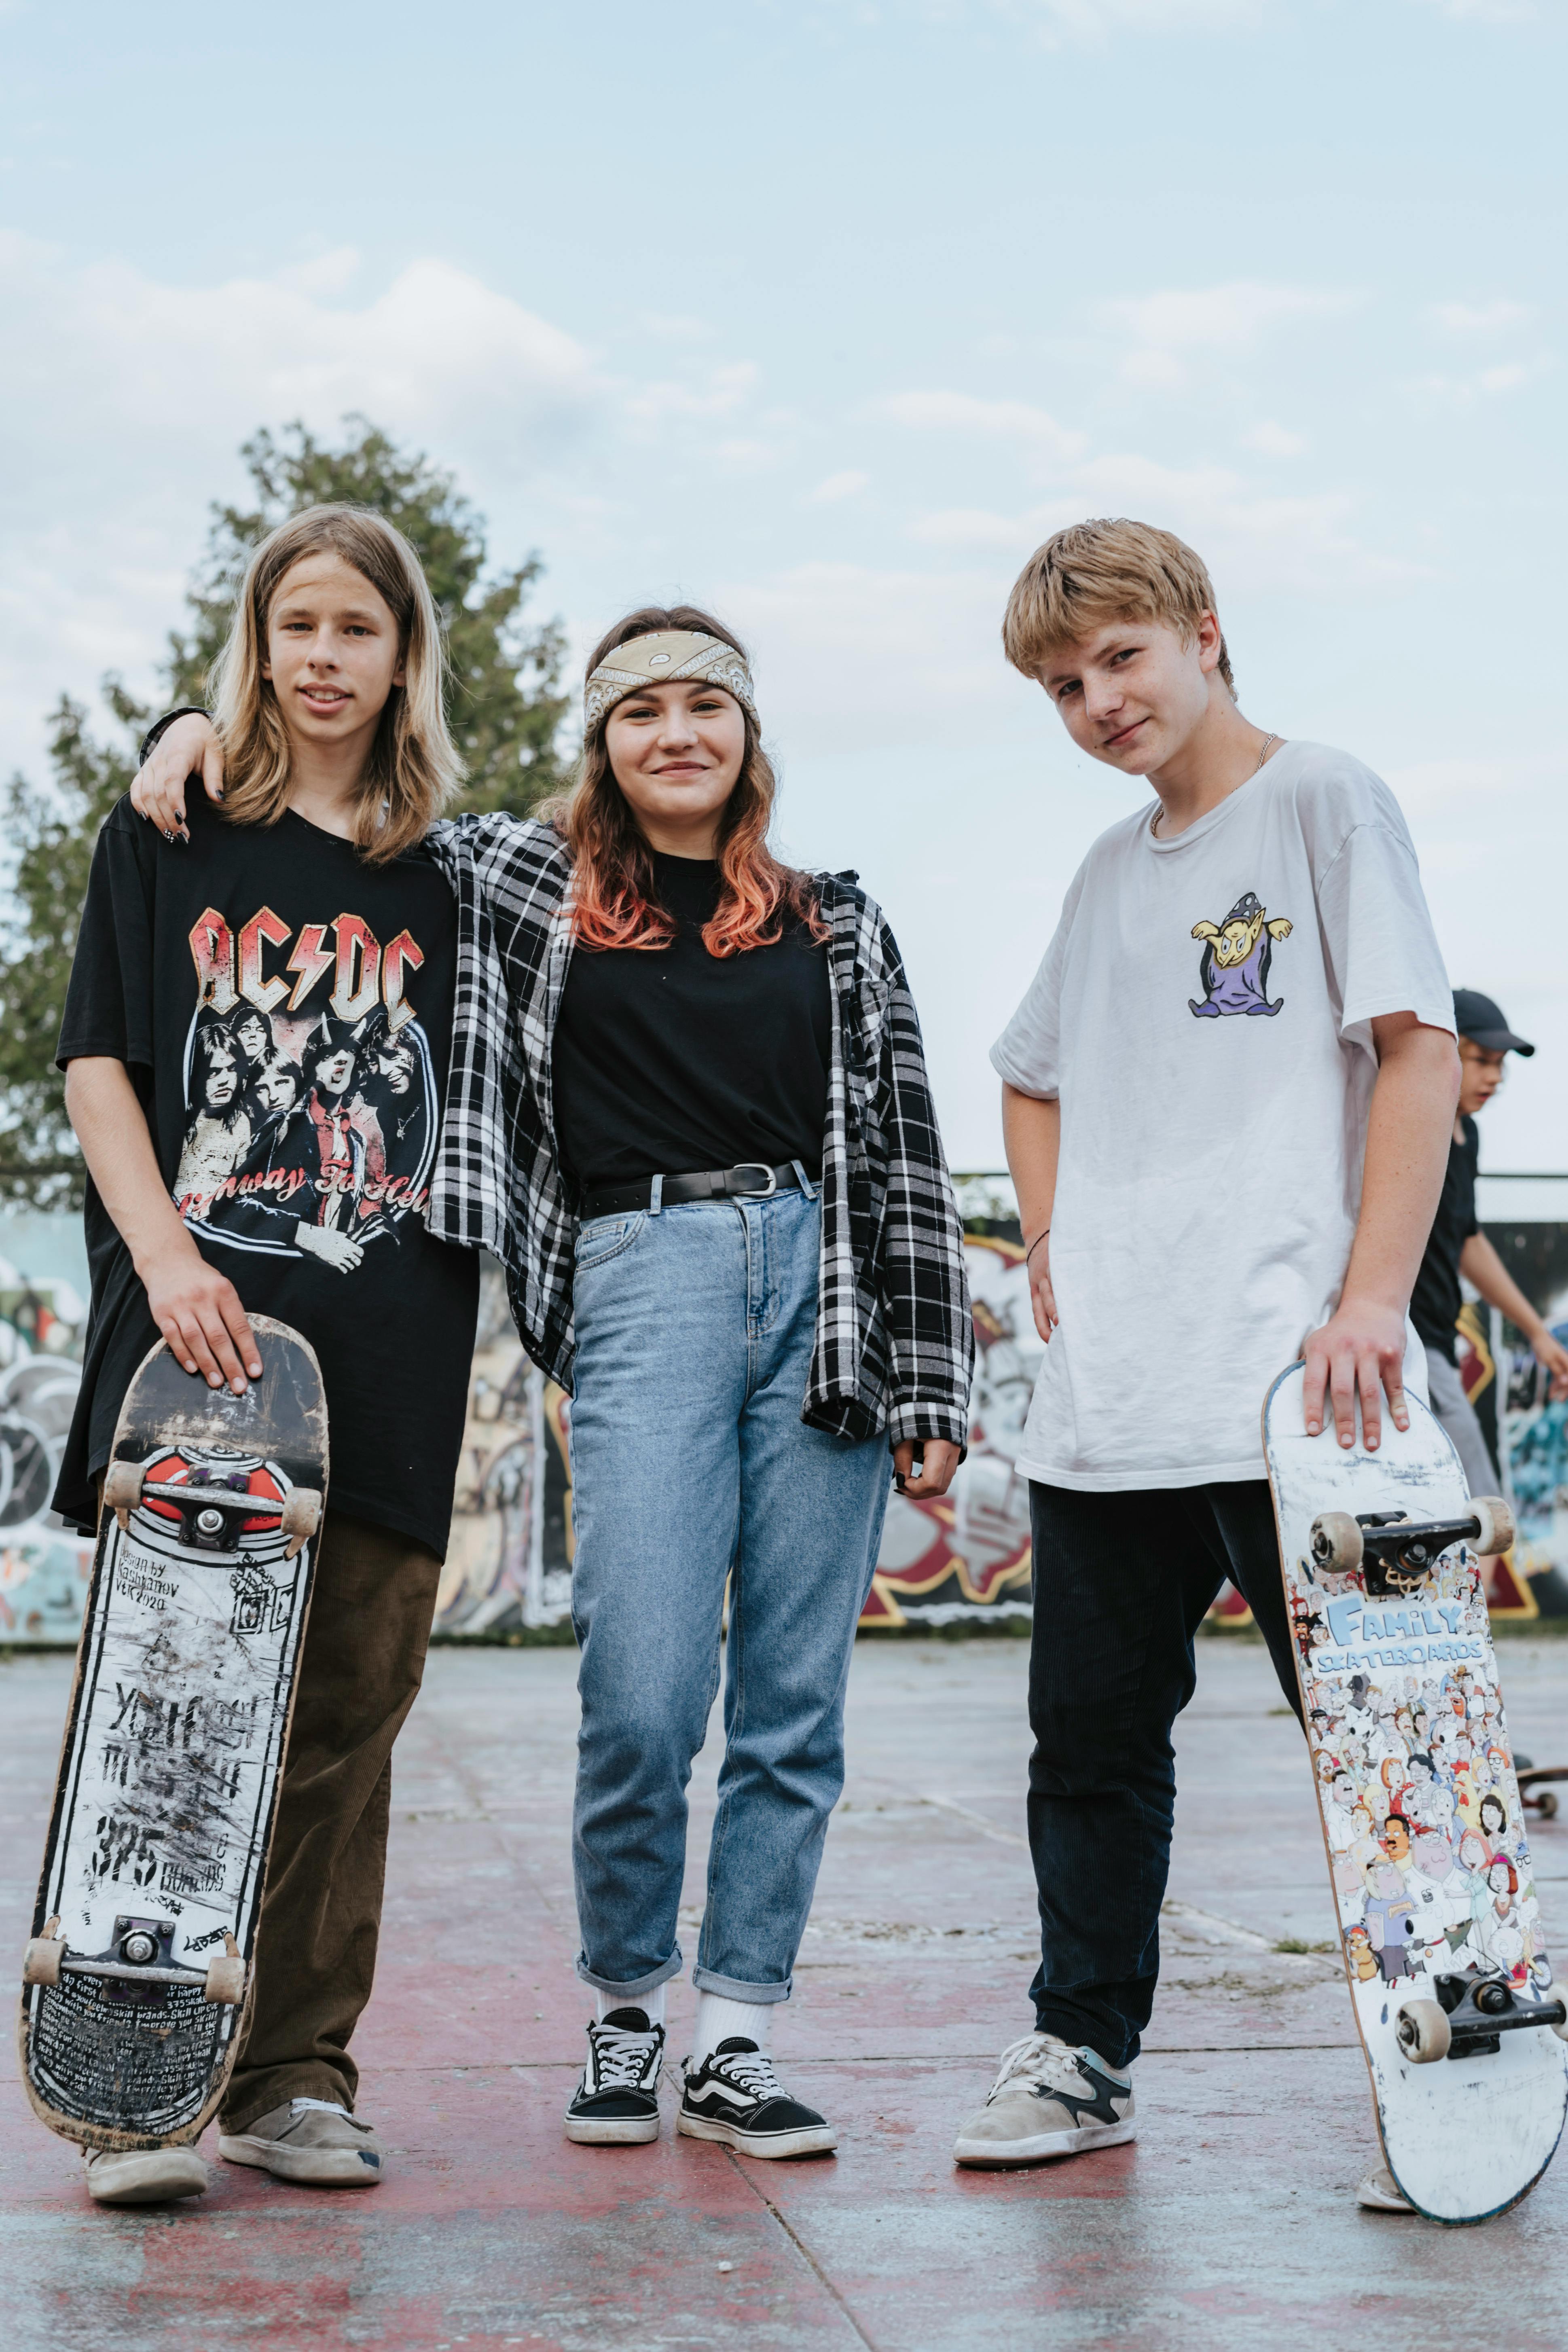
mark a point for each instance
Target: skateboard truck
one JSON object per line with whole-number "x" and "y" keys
{"x": 1398, "y": 1553}
{"x": 137, "y": 1964}
{"x": 212, "y": 1505}
{"x": 1469, "y": 2017}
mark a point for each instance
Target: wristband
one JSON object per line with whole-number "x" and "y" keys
{"x": 1034, "y": 1244}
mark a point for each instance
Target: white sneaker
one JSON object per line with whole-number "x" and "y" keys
{"x": 1381, "y": 2193}
{"x": 1048, "y": 2100}
{"x": 144, "y": 2176}
{"x": 314, "y": 2141}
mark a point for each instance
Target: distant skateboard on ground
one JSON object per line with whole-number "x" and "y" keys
{"x": 1422, "y": 1818}
{"x": 136, "y": 1977}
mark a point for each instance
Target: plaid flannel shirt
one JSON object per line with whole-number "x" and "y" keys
{"x": 895, "y": 1342}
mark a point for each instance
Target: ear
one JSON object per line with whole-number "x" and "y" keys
{"x": 1205, "y": 931}
{"x": 1210, "y": 639}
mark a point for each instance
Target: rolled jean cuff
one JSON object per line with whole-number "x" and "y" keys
{"x": 630, "y": 1992}
{"x": 732, "y": 1989}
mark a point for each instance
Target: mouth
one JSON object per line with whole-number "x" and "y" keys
{"x": 323, "y": 698}
{"x": 682, "y": 768}
{"x": 1120, "y": 742}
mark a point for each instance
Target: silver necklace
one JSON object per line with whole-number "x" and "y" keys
{"x": 1264, "y": 754}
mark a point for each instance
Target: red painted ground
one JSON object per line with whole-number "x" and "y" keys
{"x": 1229, "y": 2224}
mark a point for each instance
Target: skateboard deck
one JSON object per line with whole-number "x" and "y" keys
{"x": 1420, "y": 1806}
{"x": 136, "y": 1980}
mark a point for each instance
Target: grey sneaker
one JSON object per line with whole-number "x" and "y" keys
{"x": 144, "y": 2176}
{"x": 311, "y": 2140}
{"x": 1381, "y": 2193}
{"x": 1048, "y": 2099}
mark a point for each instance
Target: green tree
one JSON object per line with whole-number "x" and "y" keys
{"x": 504, "y": 704}
{"x": 52, "y": 833}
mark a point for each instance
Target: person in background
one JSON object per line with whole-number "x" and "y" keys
{"x": 1457, "y": 1246}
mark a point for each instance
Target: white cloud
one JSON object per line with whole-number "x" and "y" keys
{"x": 1275, "y": 441}
{"x": 125, "y": 400}
{"x": 1481, "y": 318}
{"x": 1008, "y": 420}
{"x": 846, "y": 485}
{"x": 1093, "y": 22}
{"x": 1252, "y": 539}
{"x": 1168, "y": 330}
{"x": 720, "y": 393}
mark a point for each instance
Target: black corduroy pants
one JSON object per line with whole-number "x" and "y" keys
{"x": 1122, "y": 1583}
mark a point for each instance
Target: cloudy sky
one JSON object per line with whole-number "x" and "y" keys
{"x": 825, "y": 314}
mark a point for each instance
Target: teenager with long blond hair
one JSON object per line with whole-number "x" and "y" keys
{"x": 228, "y": 1009}
{"x": 689, "y": 1110}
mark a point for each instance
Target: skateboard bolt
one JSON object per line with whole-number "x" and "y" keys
{"x": 209, "y": 1522}
{"x": 1493, "y": 1998}
{"x": 138, "y": 1950}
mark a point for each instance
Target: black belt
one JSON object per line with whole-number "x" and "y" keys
{"x": 752, "y": 1180}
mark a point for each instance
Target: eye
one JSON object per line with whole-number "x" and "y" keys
{"x": 1072, "y": 685}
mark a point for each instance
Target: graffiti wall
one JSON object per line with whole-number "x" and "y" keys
{"x": 44, "y": 1567}
{"x": 966, "y": 1557}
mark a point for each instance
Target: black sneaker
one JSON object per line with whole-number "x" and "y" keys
{"x": 736, "y": 2097}
{"x": 617, "y": 2102}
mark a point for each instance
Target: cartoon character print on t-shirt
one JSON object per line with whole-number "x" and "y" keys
{"x": 311, "y": 1101}
{"x": 1234, "y": 972}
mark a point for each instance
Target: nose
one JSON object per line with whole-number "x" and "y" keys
{"x": 676, "y": 733}
{"x": 1101, "y": 696}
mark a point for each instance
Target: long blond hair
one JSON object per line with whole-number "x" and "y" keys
{"x": 414, "y": 769}
{"x": 616, "y": 902}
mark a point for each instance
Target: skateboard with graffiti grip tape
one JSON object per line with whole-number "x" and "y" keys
{"x": 136, "y": 1979}
{"x": 1464, "y": 2031}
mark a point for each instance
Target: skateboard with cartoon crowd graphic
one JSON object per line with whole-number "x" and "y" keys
{"x": 136, "y": 1979}
{"x": 1465, "y": 2035}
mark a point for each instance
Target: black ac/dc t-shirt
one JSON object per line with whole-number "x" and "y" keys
{"x": 284, "y": 1012}
{"x": 667, "y": 1060}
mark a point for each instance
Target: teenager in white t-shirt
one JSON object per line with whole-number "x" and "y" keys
{"x": 1228, "y": 1096}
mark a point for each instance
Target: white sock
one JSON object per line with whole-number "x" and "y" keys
{"x": 718, "y": 2020}
{"x": 650, "y": 2004}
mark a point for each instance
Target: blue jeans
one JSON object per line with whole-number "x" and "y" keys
{"x": 691, "y": 1465}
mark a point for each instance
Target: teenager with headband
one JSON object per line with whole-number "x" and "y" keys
{"x": 689, "y": 1110}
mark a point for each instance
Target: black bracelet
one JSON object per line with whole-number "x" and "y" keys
{"x": 1034, "y": 1244}
{"x": 160, "y": 727}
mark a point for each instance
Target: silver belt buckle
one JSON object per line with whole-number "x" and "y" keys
{"x": 766, "y": 1190}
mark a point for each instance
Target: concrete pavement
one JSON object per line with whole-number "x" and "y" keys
{"x": 1229, "y": 2224}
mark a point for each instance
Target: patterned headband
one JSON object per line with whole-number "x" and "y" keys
{"x": 659, "y": 660}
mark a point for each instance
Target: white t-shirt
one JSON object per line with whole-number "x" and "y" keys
{"x": 1215, "y": 1092}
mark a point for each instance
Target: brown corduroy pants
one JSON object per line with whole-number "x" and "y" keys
{"x": 321, "y": 1916}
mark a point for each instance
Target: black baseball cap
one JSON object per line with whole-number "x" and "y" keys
{"x": 1478, "y": 1018}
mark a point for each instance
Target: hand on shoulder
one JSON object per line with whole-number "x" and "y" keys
{"x": 187, "y": 748}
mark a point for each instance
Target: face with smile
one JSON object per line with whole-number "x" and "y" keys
{"x": 1133, "y": 693}
{"x": 332, "y": 652}
{"x": 677, "y": 751}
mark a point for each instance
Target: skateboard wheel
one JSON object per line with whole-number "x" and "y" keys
{"x": 1546, "y": 1804}
{"x": 123, "y": 1488}
{"x": 1337, "y": 1542}
{"x": 225, "y": 1981}
{"x": 301, "y": 1517}
{"x": 1494, "y": 1524}
{"x": 41, "y": 1961}
{"x": 1425, "y": 2033}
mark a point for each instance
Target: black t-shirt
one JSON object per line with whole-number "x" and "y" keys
{"x": 284, "y": 1012}
{"x": 1435, "y": 1303}
{"x": 670, "y": 1060}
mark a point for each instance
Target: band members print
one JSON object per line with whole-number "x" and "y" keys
{"x": 309, "y": 1096}
{"x": 1234, "y": 969}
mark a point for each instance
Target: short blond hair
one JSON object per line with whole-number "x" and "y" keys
{"x": 414, "y": 769}
{"x": 1094, "y": 574}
